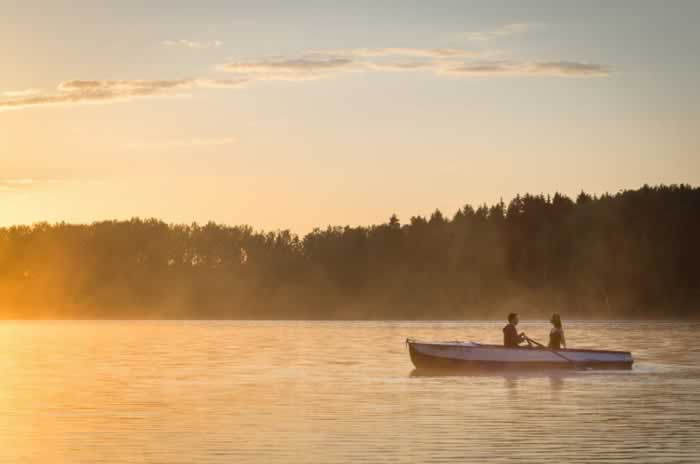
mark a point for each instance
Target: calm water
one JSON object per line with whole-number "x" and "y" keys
{"x": 288, "y": 392}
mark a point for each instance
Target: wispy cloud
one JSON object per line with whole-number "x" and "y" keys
{"x": 20, "y": 93}
{"x": 25, "y": 181}
{"x": 84, "y": 91}
{"x": 303, "y": 68}
{"x": 453, "y": 62}
{"x": 235, "y": 83}
{"x": 555, "y": 68}
{"x": 317, "y": 64}
{"x": 412, "y": 52}
{"x": 92, "y": 91}
{"x": 194, "y": 44}
{"x": 499, "y": 32}
{"x": 572, "y": 68}
{"x": 402, "y": 66}
{"x": 10, "y": 185}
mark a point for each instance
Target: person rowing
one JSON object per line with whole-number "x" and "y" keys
{"x": 511, "y": 337}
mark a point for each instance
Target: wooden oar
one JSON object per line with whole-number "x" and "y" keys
{"x": 550, "y": 349}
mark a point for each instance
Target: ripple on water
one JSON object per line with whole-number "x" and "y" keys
{"x": 332, "y": 392}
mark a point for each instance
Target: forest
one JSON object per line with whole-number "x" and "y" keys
{"x": 632, "y": 254}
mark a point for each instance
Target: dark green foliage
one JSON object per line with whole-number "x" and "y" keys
{"x": 632, "y": 254}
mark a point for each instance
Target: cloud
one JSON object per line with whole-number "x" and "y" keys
{"x": 181, "y": 143}
{"x": 412, "y": 52}
{"x": 221, "y": 83}
{"x": 121, "y": 87}
{"x": 304, "y": 68}
{"x": 404, "y": 66}
{"x": 194, "y": 44}
{"x": 554, "y": 69}
{"x": 503, "y": 31}
{"x": 92, "y": 91}
{"x": 9, "y": 185}
{"x": 84, "y": 91}
{"x": 438, "y": 61}
{"x": 313, "y": 65}
{"x": 326, "y": 63}
{"x": 17, "y": 181}
{"x": 572, "y": 68}
{"x": 20, "y": 93}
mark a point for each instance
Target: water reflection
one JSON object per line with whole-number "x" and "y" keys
{"x": 511, "y": 378}
{"x": 333, "y": 392}
{"x": 556, "y": 382}
{"x": 507, "y": 374}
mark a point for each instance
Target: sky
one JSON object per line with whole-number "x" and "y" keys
{"x": 303, "y": 114}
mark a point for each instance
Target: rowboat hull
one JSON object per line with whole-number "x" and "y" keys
{"x": 461, "y": 355}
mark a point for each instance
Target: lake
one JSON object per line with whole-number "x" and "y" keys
{"x": 332, "y": 392}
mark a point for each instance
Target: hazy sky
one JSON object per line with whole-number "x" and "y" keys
{"x": 299, "y": 114}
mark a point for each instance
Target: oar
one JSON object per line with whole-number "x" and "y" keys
{"x": 553, "y": 351}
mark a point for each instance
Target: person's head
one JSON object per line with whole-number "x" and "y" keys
{"x": 556, "y": 320}
{"x": 513, "y": 318}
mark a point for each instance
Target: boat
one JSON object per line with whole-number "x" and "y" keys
{"x": 471, "y": 355}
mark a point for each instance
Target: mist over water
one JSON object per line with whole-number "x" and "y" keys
{"x": 632, "y": 255}
{"x": 287, "y": 392}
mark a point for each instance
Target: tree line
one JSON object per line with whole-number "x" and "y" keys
{"x": 633, "y": 254}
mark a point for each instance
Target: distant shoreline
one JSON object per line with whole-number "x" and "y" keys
{"x": 632, "y": 255}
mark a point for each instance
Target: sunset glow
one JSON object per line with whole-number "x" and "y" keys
{"x": 299, "y": 116}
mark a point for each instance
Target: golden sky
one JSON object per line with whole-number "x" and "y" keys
{"x": 295, "y": 116}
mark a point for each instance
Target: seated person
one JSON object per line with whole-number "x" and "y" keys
{"x": 556, "y": 336}
{"x": 511, "y": 338}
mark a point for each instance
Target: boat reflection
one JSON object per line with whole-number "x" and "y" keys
{"x": 513, "y": 380}
{"x": 506, "y": 374}
{"x": 511, "y": 377}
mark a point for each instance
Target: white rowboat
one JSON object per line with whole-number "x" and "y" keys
{"x": 466, "y": 355}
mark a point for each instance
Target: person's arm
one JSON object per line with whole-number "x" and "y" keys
{"x": 563, "y": 339}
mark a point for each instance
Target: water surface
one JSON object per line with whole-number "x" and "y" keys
{"x": 327, "y": 392}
